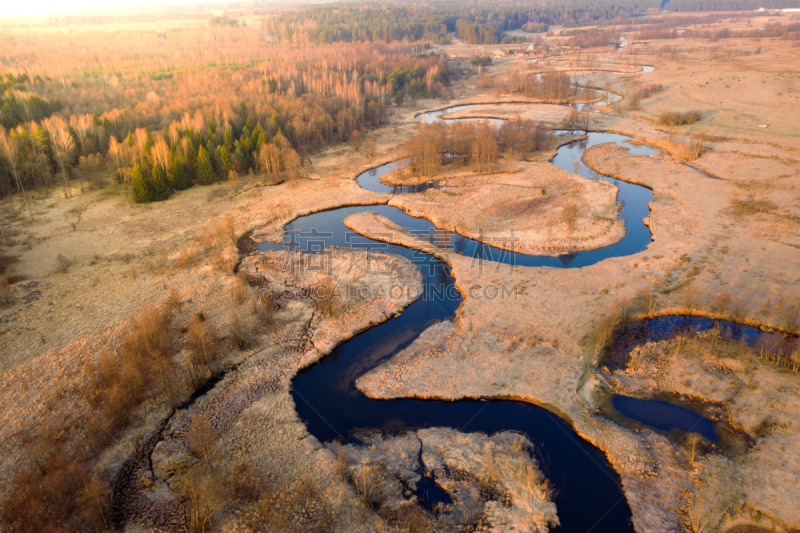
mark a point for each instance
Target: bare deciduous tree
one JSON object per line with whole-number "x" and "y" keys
{"x": 10, "y": 152}
{"x": 63, "y": 146}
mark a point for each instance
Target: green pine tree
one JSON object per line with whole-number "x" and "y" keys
{"x": 224, "y": 163}
{"x": 139, "y": 188}
{"x": 203, "y": 169}
{"x": 210, "y": 150}
{"x": 188, "y": 160}
{"x": 178, "y": 176}
{"x": 160, "y": 191}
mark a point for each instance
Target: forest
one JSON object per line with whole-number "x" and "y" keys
{"x": 415, "y": 21}
{"x": 162, "y": 123}
{"x": 728, "y": 5}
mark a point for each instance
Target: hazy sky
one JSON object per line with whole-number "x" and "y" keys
{"x": 16, "y": 8}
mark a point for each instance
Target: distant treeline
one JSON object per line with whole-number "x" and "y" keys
{"x": 729, "y": 5}
{"x": 790, "y": 32}
{"x": 415, "y": 21}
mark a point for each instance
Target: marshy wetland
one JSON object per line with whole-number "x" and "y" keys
{"x": 538, "y": 295}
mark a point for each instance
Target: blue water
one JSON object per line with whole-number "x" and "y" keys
{"x": 587, "y": 490}
{"x": 664, "y": 416}
{"x": 634, "y": 198}
{"x": 627, "y": 337}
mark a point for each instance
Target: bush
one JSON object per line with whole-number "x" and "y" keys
{"x": 202, "y": 437}
{"x": 264, "y": 310}
{"x": 240, "y": 289}
{"x": 203, "y": 343}
{"x": 484, "y": 61}
{"x": 325, "y": 299}
{"x": 570, "y": 215}
{"x": 240, "y": 334}
{"x": 62, "y": 264}
{"x": 576, "y": 120}
{"x": 673, "y": 118}
{"x": 6, "y": 294}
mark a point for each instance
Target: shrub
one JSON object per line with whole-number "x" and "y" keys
{"x": 202, "y": 437}
{"x": 479, "y": 60}
{"x": 752, "y": 205}
{"x": 576, "y": 120}
{"x": 240, "y": 334}
{"x": 674, "y": 118}
{"x": 6, "y": 294}
{"x": 635, "y": 101}
{"x": 570, "y": 215}
{"x": 264, "y": 310}
{"x": 240, "y": 289}
{"x": 62, "y": 264}
{"x": 217, "y": 243}
{"x": 324, "y": 295}
{"x": 697, "y": 147}
{"x": 203, "y": 343}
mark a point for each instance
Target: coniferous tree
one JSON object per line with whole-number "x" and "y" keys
{"x": 203, "y": 169}
{"x": 261, "y": 140}
{"x": 178, "y": 176}
{"x": 223, "y": 160}
{"x": 211, "y": 151}
{"x": 159, "y": 188}
{"x": 227, "y": 140}
{"x": 139, "y": 188}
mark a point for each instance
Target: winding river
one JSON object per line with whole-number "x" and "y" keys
{"x": 588, "y": 492}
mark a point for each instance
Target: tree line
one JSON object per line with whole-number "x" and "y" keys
{"x": 728, "y": 5}
{"x": 432, "y": 21}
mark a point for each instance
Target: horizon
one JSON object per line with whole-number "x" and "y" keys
{"x": 51, "y": 8}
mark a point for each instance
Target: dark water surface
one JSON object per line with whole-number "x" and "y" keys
{"x": 629, "y": 336}
{"x": 588, "y": 494}
{"x": 664, "y": 416}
